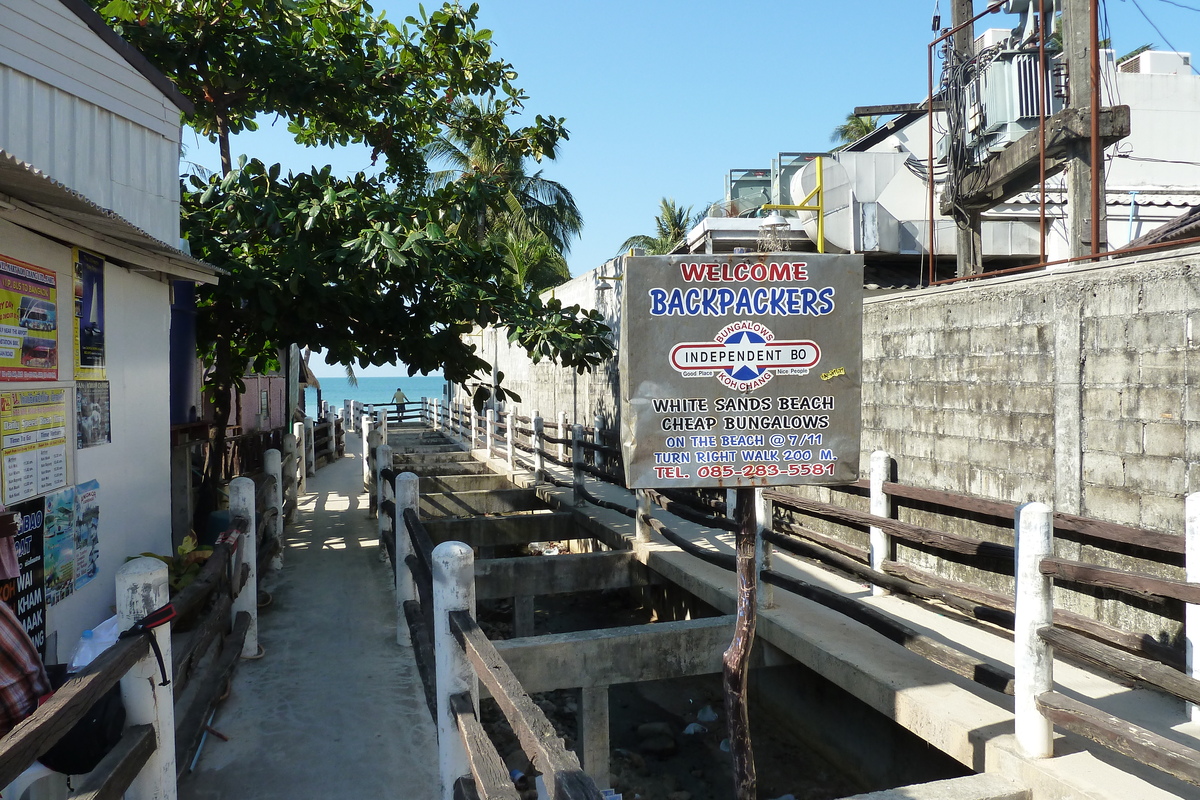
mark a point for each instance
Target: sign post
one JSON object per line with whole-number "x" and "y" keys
{"x": 740, "y": 372}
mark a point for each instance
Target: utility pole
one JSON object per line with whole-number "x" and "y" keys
{"x": 1086, "y": 165}
{"x": 967, "y": 221}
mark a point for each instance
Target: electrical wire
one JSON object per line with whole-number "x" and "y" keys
{"x": 1180, "y": 5}
{"x": 1159, "y": 31}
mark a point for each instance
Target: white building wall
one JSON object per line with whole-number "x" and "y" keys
{"x": 119, "y": 146}
{"x": 134, "y": 469}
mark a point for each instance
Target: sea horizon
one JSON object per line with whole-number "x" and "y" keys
{"x": 373, "y": 390}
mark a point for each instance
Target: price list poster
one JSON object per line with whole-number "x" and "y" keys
{"x": 33, "y": 439}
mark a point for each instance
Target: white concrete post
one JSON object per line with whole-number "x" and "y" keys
{"x": 881, "y": 506}
{"x": 577, "y": 462}
{"x": 408, "y": 495}
{"x": 273, "y": 466}
{"x": 510, "y": 436}
{"x": 1034, "y": 658}
{"x": 374, "y": 442}
{"x": 241, "y": 507}
{"x": 1191, "y": 619}
{"x": 598, "y": 424}
{"x": 641, "y": 528}
{"x": 301, "y": 455}
{"x": 437, "y": 414}
{"x": 348, "y": 414}
{"x": 539, "y": 444}
{"x": 291, "y": 486}
{"x": 383, "y": 461}
{"x": 762, "y": 549}
{"x": 365, "y": 426}
{"x": 142, "y": 588}
{"x": 564, "y": 433}
{"x": 453, "y": 590}
{"x": 310, "y": 448}
{"x": 489, "y": 434}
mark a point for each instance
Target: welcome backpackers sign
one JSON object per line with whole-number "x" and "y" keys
{"x": 741, "y": 371}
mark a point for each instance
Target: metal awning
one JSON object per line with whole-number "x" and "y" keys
{"x": 34, "y": 200}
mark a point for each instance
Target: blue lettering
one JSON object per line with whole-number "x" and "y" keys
{"x": 779, "y": 301}
{"x": 760, "y": 300}
{"x": 658, "y": 305}
{"x": 691, "y": 301}
{"x": 826, "y": 296}
{"x": 675, "y": 303}
{"x": 743, "y": 302}
{"x": 809, "y": 296}
{"x": 709, "y": 302}
{"x": 727, "y": 297}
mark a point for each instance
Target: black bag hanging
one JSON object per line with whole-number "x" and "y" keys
{"x": 93, "y": 737}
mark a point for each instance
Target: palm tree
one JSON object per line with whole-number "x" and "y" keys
{"x": 853, "y": 129}
{"x": 671, "y": 225}
{"x": 534, "y": 261}
{"x": 534, "y": 204}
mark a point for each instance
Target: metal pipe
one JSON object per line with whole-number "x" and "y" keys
{"x": 1097, "y": 164}
{"x": 1044, "y": 99}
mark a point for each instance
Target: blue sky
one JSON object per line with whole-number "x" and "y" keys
{"x": 664, "y": 97}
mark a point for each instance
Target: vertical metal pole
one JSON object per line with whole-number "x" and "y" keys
{"x": 577, "y": 463}
{"x": 1034, "y": 658}
{"x": 736, "y": 659}
{"x": 453, "y": 590}
{"x": 1192, "y": 611}
{"x": 241, "y": 508}
{"x": 881, "y": 506}
{"x": 142, "y": 588}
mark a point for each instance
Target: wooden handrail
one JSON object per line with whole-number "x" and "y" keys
{"x": 1136, "y": 583}
{"x": 116, "y": 771}
{"x": 487, "y": 768}
{"x": 1122, "y": 663}
{"x": 537, "y": 736}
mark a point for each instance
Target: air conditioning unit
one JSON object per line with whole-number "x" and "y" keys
{"x": 1157, "y": 62}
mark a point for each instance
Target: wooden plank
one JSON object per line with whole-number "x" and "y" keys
{"x": 562, "y": 574}
{"x": 1122, "y": 663}
{"x": 116, "y": 771}
{"x": 564, "y": 777}
{"x": 487, "y": 768}
{"x": 189, "y": 724}
{"x": 1137, "y": 583}
{"x": 861, "y": 554}
{"x": 194, "y": 644}
{"x": 212, "y": 574}
{"x": 990, "y": 675}
{"x": 911, "y": 533}
{"x": 1016, "y": 168}
{"x": 630, "y": 654}
{"x": 38, "y": 732}
{"x": 1124, "y": 737}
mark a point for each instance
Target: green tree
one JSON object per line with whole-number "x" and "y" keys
{"x": 534, "y": 263}
{"x": 374, "y": 268}
{"x": 671, "y": 226}
{"x": 853, "y": 129}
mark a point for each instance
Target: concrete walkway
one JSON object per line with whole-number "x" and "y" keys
{"x": 334, "y": 708}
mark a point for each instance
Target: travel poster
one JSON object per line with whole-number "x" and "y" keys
{"x": 59, "y": 530}
{"x": 25, "y": 594}
{"x": 87, "y": 531}
{"x": 90, "y": 358}
{"x": 28, "y": 322}
{"x": 93, "y": 420}
{"x": 33, "y": 439}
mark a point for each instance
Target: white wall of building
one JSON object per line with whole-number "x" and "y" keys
{"x": 80, "y": 113}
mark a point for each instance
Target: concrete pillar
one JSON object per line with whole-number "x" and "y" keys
{"x": 523, "y": 605}
{"x": 437, "y": 414}
{"x": 881, "y": 506}
{"x": 301, "y": 450}
{"x": 365, "y": 425}
{"x": 474, "y": 419}
{"x": 577, "y": 462}
{"x": 290, "y": 485}
{"x": 310, "y": 448}
{"x": 453, "y": 590}
{"x": 597, "y": 426}
{"x": 564, "y": 433}
{"x": 1191, "y": 611}
{"x": 408, "y": 495}
{"x": 383, "y": 488}
{"x": 1033, "y": 658}
{"x": 641, "y": 528}
{"x": 510, "y": 435}
{"x": 273, "y": 466}
{"x": 489, "y": 435}
{"x": 539, "y": 445}
{"x": 348, "y": 414}
{"x": 374, "y": 442}
{"x": 593, "y": 733}
{"x": 241, "y": 508}
{"x": 142, "y": 588}
{"x": 762, "y": 549}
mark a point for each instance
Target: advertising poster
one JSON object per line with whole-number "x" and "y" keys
{"x": 25, "y": 594}
{"x": 28, "y": 322}
{"x": 741, "y": 371}
{"x": 59, "y": 529}
{"x": 33, "y": 442}
{"x": 89, "y": 316}
{"x": 87, "y": 532}
{"x": 93, "y": 420}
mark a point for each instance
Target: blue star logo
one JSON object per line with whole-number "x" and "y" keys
{"x": 744, "y": 370}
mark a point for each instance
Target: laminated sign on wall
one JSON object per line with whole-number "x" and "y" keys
{"x": 33, "y": 448}
{"x": 28, "y": 322}
{"x": 741, "y": 370}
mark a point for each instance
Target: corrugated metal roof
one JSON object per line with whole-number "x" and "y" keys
{"x": 25, "y": 182}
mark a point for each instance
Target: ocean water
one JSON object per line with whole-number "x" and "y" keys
{"x": 373, "y": 390}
